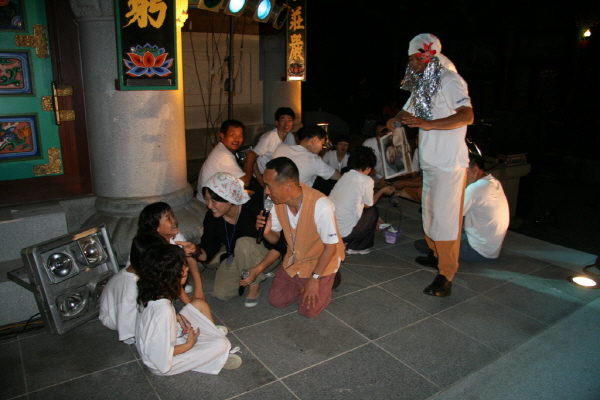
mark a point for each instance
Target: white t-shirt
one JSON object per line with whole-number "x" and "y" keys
{"x": 331, "y": 158}
{"x": 324, "y": 220}
{"x": 158, "y": 332}
{"x": 118, "y": 304}
{"x": 266, "y": 147}
{"x": 372, "y": 143}
{"x": 350, "y": 195}
{"x": 445, "y": 149}
{"x": 309, "y": 165}
{"x": 220, "y": 159}
{"x": 486, "y": 216}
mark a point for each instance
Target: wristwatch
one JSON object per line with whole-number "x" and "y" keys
{"x": 316, "y": 276}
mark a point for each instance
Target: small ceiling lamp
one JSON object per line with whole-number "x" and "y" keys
{"x": 280, "y": 13}
{"x": 262, "y": 11}
{"x": 235, "y": 7}
{"x": 587, "y": 34}
{"x": 210, "y": 5}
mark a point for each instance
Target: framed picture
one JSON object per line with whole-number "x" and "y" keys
{"x": 19, "y": 138}
{"x": 396, "y": 154}
{"x": 15, "y": 76}
{"x": 12, "y": 16}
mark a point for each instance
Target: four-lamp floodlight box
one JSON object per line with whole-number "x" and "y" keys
{"x": 67, "y": 275}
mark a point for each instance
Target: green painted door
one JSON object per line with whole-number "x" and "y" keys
{"x": 29, "y": 137}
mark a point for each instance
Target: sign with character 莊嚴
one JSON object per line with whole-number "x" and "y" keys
{"x": 296, "y": 41}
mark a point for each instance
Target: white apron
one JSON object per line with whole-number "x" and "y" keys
{"x": 441, "y": 202}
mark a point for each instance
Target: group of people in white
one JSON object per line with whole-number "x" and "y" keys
{"x": 324, "y": 208}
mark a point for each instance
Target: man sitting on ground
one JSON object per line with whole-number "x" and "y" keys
{"x": 356, "y": 216}
{"x": 380, "y": 131}
{"x": 486, "y": 215}
{"x": 306, "y": 157}
{"x": 222, "y": 157}
{"x": 338, "y": 158}
{"x": 263, "y": 151}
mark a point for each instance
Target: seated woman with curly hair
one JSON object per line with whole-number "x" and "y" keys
{"x": 171, "y": 343}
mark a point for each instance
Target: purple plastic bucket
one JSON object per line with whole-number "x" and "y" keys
{"x": 391, "y": 237}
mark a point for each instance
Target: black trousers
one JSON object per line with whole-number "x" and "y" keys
{"x": 363, "y": 234}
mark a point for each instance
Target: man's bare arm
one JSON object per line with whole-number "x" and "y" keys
{"x": 463, "y": 116}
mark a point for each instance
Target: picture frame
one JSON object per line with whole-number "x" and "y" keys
{"x": 395, "y": 154}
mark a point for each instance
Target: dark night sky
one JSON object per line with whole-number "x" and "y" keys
{"x": 523, "y": 60}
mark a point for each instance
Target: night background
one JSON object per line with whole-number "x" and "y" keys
{"x": 533, "y": 80}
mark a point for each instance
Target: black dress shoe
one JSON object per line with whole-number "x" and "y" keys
{"x": 422, "y": 247}
{"x": 428, "y": 261}
{"x": 440, "y": 287}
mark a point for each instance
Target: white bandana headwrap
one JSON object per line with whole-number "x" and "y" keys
{"x": 417, "y": 45}
{"x": 425, "y": 85}
{"x": 228, "y": 187}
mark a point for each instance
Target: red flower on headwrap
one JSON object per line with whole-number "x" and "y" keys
{"x": 427, "y": 52}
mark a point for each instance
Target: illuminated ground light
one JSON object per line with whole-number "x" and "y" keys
{"x": 583, "y": 281}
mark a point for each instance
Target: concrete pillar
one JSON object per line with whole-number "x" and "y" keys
{"x": 277, "y": 92}
{"x": 136, "y": 138}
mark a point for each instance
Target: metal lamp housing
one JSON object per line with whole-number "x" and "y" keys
{"x": 67, "y": 275}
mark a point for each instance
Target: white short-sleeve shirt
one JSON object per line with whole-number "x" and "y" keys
{"x": 445, "y": 149}
{"x": 324, "y": 220}
{"x": 266, "y": 147}
{"x": 486, "y": 216}
{"x": 331, "y": 158}
{"x": 350, "y": 195}
{"x": 220, "y": 159}
{"x": 118, "y": 304}
{"x": 309, "y": 165}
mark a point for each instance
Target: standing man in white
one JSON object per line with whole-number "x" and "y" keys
{"x": 440, "y": 106}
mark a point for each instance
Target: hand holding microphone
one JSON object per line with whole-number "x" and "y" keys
{"x": 268, "y": 207}
{"x": 244, "y": 274}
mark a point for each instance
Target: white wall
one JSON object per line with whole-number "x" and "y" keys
{"x": 205, "y": 72}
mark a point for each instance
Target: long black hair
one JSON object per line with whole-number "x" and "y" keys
{"x": 140, "y": 245}
{"x": 160, "y": 275}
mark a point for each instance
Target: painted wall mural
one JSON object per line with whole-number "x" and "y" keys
{"x": 14, "y": 73}
{"x": 18, "y": 138}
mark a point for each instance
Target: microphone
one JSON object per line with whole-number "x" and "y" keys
{"x": 244, "y": 274}
{"x": 268, "y": 207}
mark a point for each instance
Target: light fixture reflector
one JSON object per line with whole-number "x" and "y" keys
{"x": 263, "y": 10}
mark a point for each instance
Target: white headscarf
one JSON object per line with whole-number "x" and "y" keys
{"x": 228, "y": 187}
{"x": 426, "y": 41}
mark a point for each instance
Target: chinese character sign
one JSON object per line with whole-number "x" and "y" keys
{"x": 147, "y": 57}
{"x": 296, "y": 41}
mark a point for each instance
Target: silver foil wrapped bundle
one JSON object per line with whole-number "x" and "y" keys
{"x": 423, "y": 87}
